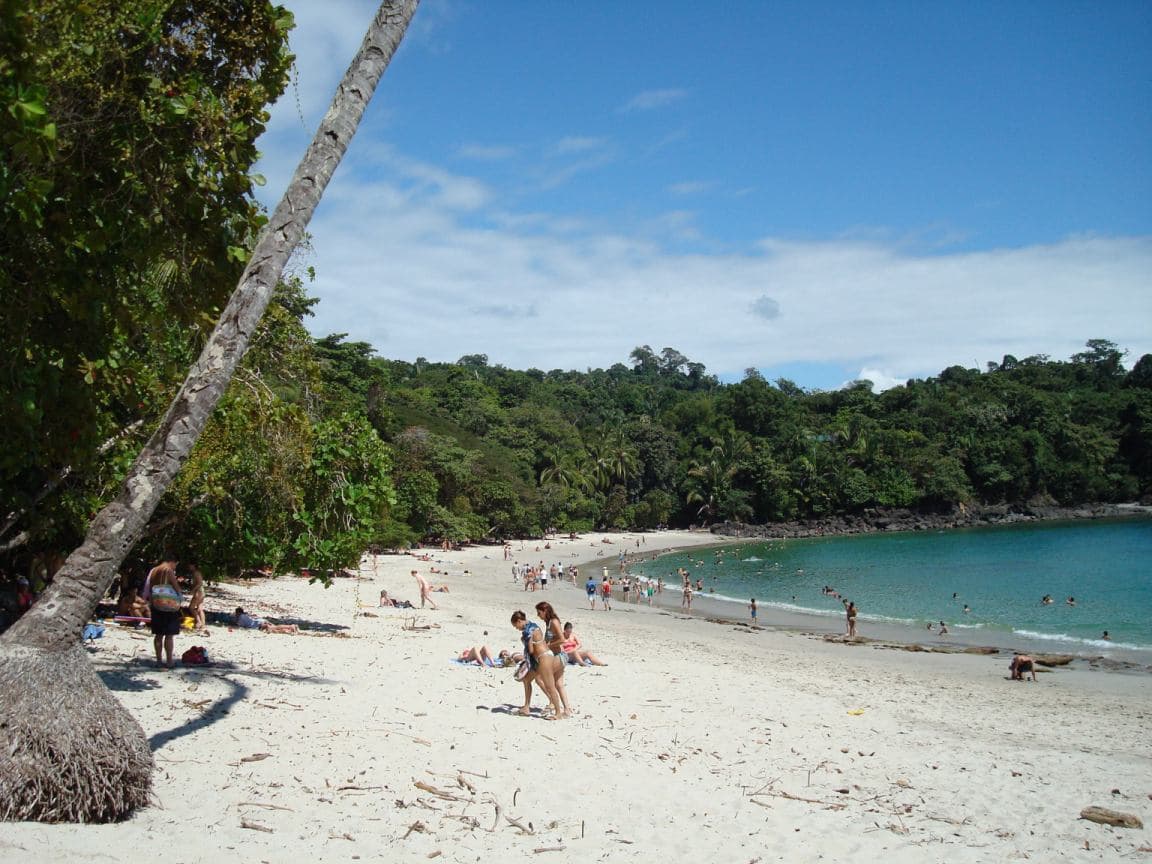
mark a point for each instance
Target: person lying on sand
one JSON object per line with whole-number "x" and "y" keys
{"x": 481, "y": 655}
{"x": 251, "y": 622}
{"x": 575, "y": 649}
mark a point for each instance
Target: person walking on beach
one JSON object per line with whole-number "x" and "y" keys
{"x": 606, "y": 593}
{"x": 850, "y": 611}
{"x": 539, "y": 672}
{"x": 425, "y": 590}
{"x": 752, "y": 610}
{"x": 590, "y": 590}
{"x": 686, "y": 600}
{"x": 554, "y": 637}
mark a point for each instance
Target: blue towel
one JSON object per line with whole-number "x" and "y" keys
{"x": 92, "y": 631}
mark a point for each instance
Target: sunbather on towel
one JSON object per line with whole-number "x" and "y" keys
{"x": 251, "y": 622}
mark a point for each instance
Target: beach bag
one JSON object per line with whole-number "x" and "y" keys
{"x": 522, "y": 670}
{"x": 165, "y": 598}
{"x": 197, "y": 655}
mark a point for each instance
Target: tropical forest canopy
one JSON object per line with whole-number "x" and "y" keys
{"x": 128, "y": 133}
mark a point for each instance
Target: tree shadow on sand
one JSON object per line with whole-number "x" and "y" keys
{"x": 141, "y": 677}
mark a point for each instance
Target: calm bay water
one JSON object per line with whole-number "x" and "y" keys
{"x": 908, "y": 579}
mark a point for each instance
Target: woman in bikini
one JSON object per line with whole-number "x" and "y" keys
{"x": 554, "y": 637}
{"x": 574, "y": 650}
{"x": 539, "y": 664}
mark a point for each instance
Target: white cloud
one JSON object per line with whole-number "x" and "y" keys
{"x": 881, "y": 381}
{"x": 423, "y": 261}
{"x": 430, "y": 263}
{"x": 646, "y": 100}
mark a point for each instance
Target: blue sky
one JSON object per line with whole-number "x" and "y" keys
{"x": 823, "y": 191}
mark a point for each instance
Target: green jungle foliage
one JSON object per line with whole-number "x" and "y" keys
{"x": 485, "y": 452}
{"x": 127, "y": 133}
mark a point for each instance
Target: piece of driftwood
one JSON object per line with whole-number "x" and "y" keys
{"x": 255, "y": 826}
{"x": 1104, "y": 816}
{"x": 439, "y": 793}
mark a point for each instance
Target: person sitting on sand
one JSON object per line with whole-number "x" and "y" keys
{"x": 1020, "y": 664}
{"x": 386, "y": 600}
{"x": 251, "y": 622}
{"x": 573, "y": 648}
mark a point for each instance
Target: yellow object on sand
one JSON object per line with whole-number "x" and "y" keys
{"x": 856, "y": 712}
{"x": 188, "y": 622}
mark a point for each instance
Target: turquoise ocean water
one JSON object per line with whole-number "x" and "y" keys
{"x": 908, "y": 579}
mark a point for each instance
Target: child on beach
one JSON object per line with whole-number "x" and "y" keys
{"x": 752, "y": 610}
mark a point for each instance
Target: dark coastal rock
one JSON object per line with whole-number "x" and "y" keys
{"x": 899, "y": 519}
{"x": 1051, "y": 660}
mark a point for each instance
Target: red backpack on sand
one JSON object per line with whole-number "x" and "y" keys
{"x": 197, "y": 655}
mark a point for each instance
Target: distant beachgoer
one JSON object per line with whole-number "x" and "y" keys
{"x": 196, "y": 597}
{"x": 955, "y": 595}
{"x": 686, "y": 600}
{"x": 752, "y": 609}
{"x": 1071, "y": 601}
{"x": 966, "y": 609}
{"x": 699, "y": 584}
{"x": 850, "y": 611}
{"x": 1020, "y": 664}
{"x": 1106, "y": 637}
{"x": 425, "y": 590}
{"x": 625, "y": 587}
{"x": 1046, "y": 600}
{"x": 943, "y": 629}
{"x": 606, "y": 593}
{"x": 931, "y": 627}
{"x": 590, "y": 590}
{"x": 251, "y": 622}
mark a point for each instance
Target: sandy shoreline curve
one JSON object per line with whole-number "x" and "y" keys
{"x": 360, "y": 739}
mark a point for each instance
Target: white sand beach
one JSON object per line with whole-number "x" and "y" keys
{"x": 361, "y": 740}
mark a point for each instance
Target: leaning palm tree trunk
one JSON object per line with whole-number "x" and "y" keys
{"x": 68, "y": 749}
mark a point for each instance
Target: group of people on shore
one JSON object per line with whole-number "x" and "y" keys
{"x": 633, "y": 589}
{"x": 537, "y": 576}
